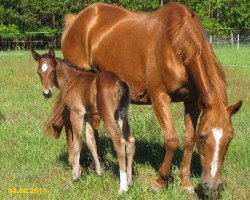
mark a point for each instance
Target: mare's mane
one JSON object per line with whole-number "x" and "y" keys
{"x": 190, "y": 42}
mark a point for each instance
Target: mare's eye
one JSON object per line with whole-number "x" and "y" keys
{"x": 203, "y": 139}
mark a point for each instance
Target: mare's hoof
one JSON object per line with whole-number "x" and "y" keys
{"x": 155, "y": 186}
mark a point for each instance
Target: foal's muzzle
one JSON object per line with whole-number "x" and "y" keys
{"x": 47, "y": 94}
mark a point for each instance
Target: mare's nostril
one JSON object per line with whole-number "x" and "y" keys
{"x": 206, "y": 186}
{"x": 220, "y": 187}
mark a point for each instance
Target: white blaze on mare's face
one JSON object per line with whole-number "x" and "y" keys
{"x": 44, "y": 67}
{"x": 217, "y": 133}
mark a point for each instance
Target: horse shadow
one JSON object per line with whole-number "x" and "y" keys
{"x": 2, "y": 117}
{"x": 147, "y": 152}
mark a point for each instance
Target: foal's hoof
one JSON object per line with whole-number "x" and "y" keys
{"x": 122, "y": 190}
{"x": 76, "y": 175}
{"x": 100, "y": 172}
{"x": 188, "y": 189}
{"x": 130, "y": 183}
{"x": 156, "y": 186}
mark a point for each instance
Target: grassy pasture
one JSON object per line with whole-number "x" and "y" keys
{"x": 29, "y": 160}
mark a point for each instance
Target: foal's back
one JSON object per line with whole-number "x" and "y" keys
{"x": 85, "y": 91}
{"x": 79, "y": 94}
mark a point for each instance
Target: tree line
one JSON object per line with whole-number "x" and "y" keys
{"x": 25, "y": 18}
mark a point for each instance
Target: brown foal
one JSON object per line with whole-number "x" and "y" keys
{"x": 86, "y": 94}
{"x": 165, "y": 57}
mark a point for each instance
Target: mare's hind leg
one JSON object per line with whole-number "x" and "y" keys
{"x": 130, "y": 147}
{"x": 161, "y": 104}
{"x": 69, "y": 135}
{"x": 76, "y": 121}
{"x": 91, "y": 143}
{"x": 191, "y": 116}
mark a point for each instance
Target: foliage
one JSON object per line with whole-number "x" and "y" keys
{"x": 36, "y": 15}
{"x": 9, "y": 32}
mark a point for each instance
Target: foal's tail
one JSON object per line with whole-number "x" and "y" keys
{"x": 122, "y": 110}
{"x": 56, "y": 121}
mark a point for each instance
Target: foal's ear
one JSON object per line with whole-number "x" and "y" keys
{"x": 51, "y": 52}
{"x": 35, "y": 55}
{"x": 234, "y": 108}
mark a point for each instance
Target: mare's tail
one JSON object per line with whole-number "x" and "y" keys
{"x": 56, "y": 121}
{"x": 122, "y": 110}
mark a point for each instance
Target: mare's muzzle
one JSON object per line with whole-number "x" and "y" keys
{"x": 209, "y": 187}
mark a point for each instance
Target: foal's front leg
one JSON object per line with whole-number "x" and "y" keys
{"x": 76, "y": 121}
{"x": 69, "y": 135}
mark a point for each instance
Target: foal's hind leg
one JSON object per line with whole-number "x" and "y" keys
{"x": 130, "y": 146}
{"x": 91, "y": 143}
{"x": 191, "y": 116}
{"x": 76, "y": 121}
{"x": 119, "y": 146}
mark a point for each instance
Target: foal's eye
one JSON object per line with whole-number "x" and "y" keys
{"x": 203, "y": 139}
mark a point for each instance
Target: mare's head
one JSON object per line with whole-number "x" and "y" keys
{"x": 213, "y": 137}
{"x": 46, "y": 70}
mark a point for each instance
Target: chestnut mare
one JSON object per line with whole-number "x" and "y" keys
{"x": 165, "y": 57}
{"x": 86, "y": 94}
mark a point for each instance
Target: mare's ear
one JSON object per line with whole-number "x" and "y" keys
{"x": 234, "y": 108}
{"x": 51, "y": 52}
{"x": 35, "y": 55}
{"x": 201, "y": 104}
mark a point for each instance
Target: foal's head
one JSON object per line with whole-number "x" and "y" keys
{"x": 215, "y": 132}
{"x": 46, "y": 70}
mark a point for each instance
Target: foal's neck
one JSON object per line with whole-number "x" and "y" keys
{"x": 63, "y": 73}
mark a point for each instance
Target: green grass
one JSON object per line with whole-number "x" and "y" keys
{"x": 29, "y": 160}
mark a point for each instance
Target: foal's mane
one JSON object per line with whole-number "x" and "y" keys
{"x": 68, "y": 64}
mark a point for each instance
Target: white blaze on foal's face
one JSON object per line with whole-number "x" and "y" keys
{"x": 44, "y": 67}
{"x": 217, "y": 134}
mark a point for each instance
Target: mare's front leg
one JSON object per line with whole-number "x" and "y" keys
{"x": 77, "y": 122}
{"x": 91, "y": 143}
{"x": 161, "y": 104}
{"x": 192, "y": 113}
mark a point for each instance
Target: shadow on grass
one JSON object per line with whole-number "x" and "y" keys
{"x": 147, "y": 152}
{"x": 2, "y": 117}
